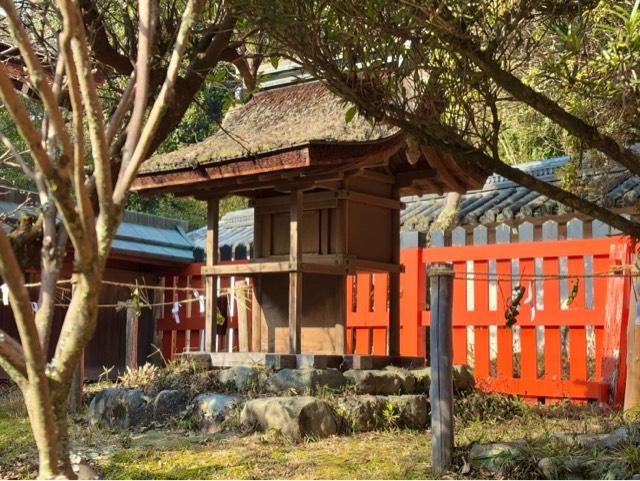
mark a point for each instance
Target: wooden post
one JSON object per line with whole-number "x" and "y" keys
{"x": 393, "y": 336}
{"x": 341, "y": 243}
{"x": 441, "y": 389}
{"x": 632, "y": 389}
{"x": 241, "y": 291}
{"x": 131, "y": 356}
{"x": 295, "y": 276}
{"x": 341, "y": 319}
{"x": 211, "y": 291}
{"x": 256, "y": 316}
{"x": 157, "y": 312}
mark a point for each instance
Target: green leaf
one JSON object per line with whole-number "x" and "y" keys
{"x": 274, "y": 61}
{"x": 350, "y": 114}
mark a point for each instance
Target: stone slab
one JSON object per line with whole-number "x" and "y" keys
{"x": 279, "y": 361}
{"x": 380, "y": 362}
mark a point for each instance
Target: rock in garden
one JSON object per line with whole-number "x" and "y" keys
{"x": 213, "y": 409}
{"x": 294, "y": 417}
{"x": 242, "y": 378}
{"x": 372, "y": 381}
{"x": 169, "y": 403}
{"x": 463, "y": 379}
{"x": 423, "y": 379}
{"x": 362, "y": 413}
{"x": 495, "y": 456}
{"x": 305, "y": 380}
{"x": 583, "y": 467}
{"x": 412, "y": 410}
{"x": 119, "y": 408}
{"x": 599, "y": 441}
{"x": 408, "y": 378}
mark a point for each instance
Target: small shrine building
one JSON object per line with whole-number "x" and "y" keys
{"x": 326, "y": 196}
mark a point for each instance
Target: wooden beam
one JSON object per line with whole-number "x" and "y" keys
{"x": 288, "y": 182}
{"x": 211, "y": 282}
{"x": 444, "y": 171}
{"x": 311, "y": 205}
{"x": 318, "y": 263}
{"x": 295, "y": 277}
{"x": 364, "y": 265}
{"x": 394, "y": 285}
{"x": 286, "y": 200}
{"x": 369, "y": 199}
{"x": 377, "y": 176}
{"x": 249, "y": 268}
{"x": 323, "y": 268}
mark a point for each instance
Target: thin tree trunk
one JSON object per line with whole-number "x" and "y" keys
{"x": 448, "y": 213}
{"x": 43, "y": 427}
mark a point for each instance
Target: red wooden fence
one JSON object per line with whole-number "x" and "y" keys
{"x": 558, "y": 348}
{"x": 186, "y": 335}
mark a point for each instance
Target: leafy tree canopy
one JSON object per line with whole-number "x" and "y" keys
{"x": 491, "y": 83}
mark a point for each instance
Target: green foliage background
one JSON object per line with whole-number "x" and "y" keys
{"x": 201, "y": 120}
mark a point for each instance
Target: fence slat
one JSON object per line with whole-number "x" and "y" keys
{"x": 528, "y": 354}
{"x": 552, "y": 354}
{"x": 481, "y": 352}
{"x": 577, "y": 354}
{"x": 505, "y": 334}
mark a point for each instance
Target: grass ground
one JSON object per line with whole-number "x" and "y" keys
{"x": 391, "y": 454}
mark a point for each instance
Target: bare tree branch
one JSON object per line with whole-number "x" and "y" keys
{"x": 160, "y": 105}
{"x": 74, "y": 28}
{"x": 147, "y": 24}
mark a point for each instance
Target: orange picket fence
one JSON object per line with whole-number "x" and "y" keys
{"x": 568, "y": 338}
{"x": 568, "y": 341}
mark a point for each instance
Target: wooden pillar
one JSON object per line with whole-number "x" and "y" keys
{"x": 441, "y": 388}
{"x": 393, "y": 336}
{"x": 157, "y": 298}
{"x": 341, "y": 317}
{"x": 295, "y": 276}
{"x": 241, "y": 291}
{"x": 211, "y": 291}
{"x": 131, "y": 356}
{"x": 256, "y": 316}
{"x": 340, "y": 241}
{"x": 256, "y": 309}
{"x": 632, "y": 389}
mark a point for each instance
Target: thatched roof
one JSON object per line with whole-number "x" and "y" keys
{"x": 273, "y": 120}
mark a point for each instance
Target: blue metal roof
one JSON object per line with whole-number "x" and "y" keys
{"x": 140, "y": 235}
{"x": 235, "y": 239}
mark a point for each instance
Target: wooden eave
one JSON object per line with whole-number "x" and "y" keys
{"x": 316, "y": 162}
{"x": 270, "y": 170}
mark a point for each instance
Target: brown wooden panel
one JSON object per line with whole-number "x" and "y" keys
{"x": 370, "y": 229}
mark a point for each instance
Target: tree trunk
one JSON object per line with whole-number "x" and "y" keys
{"x": 448, "y": 213}
{"x": 43, "y": 427}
